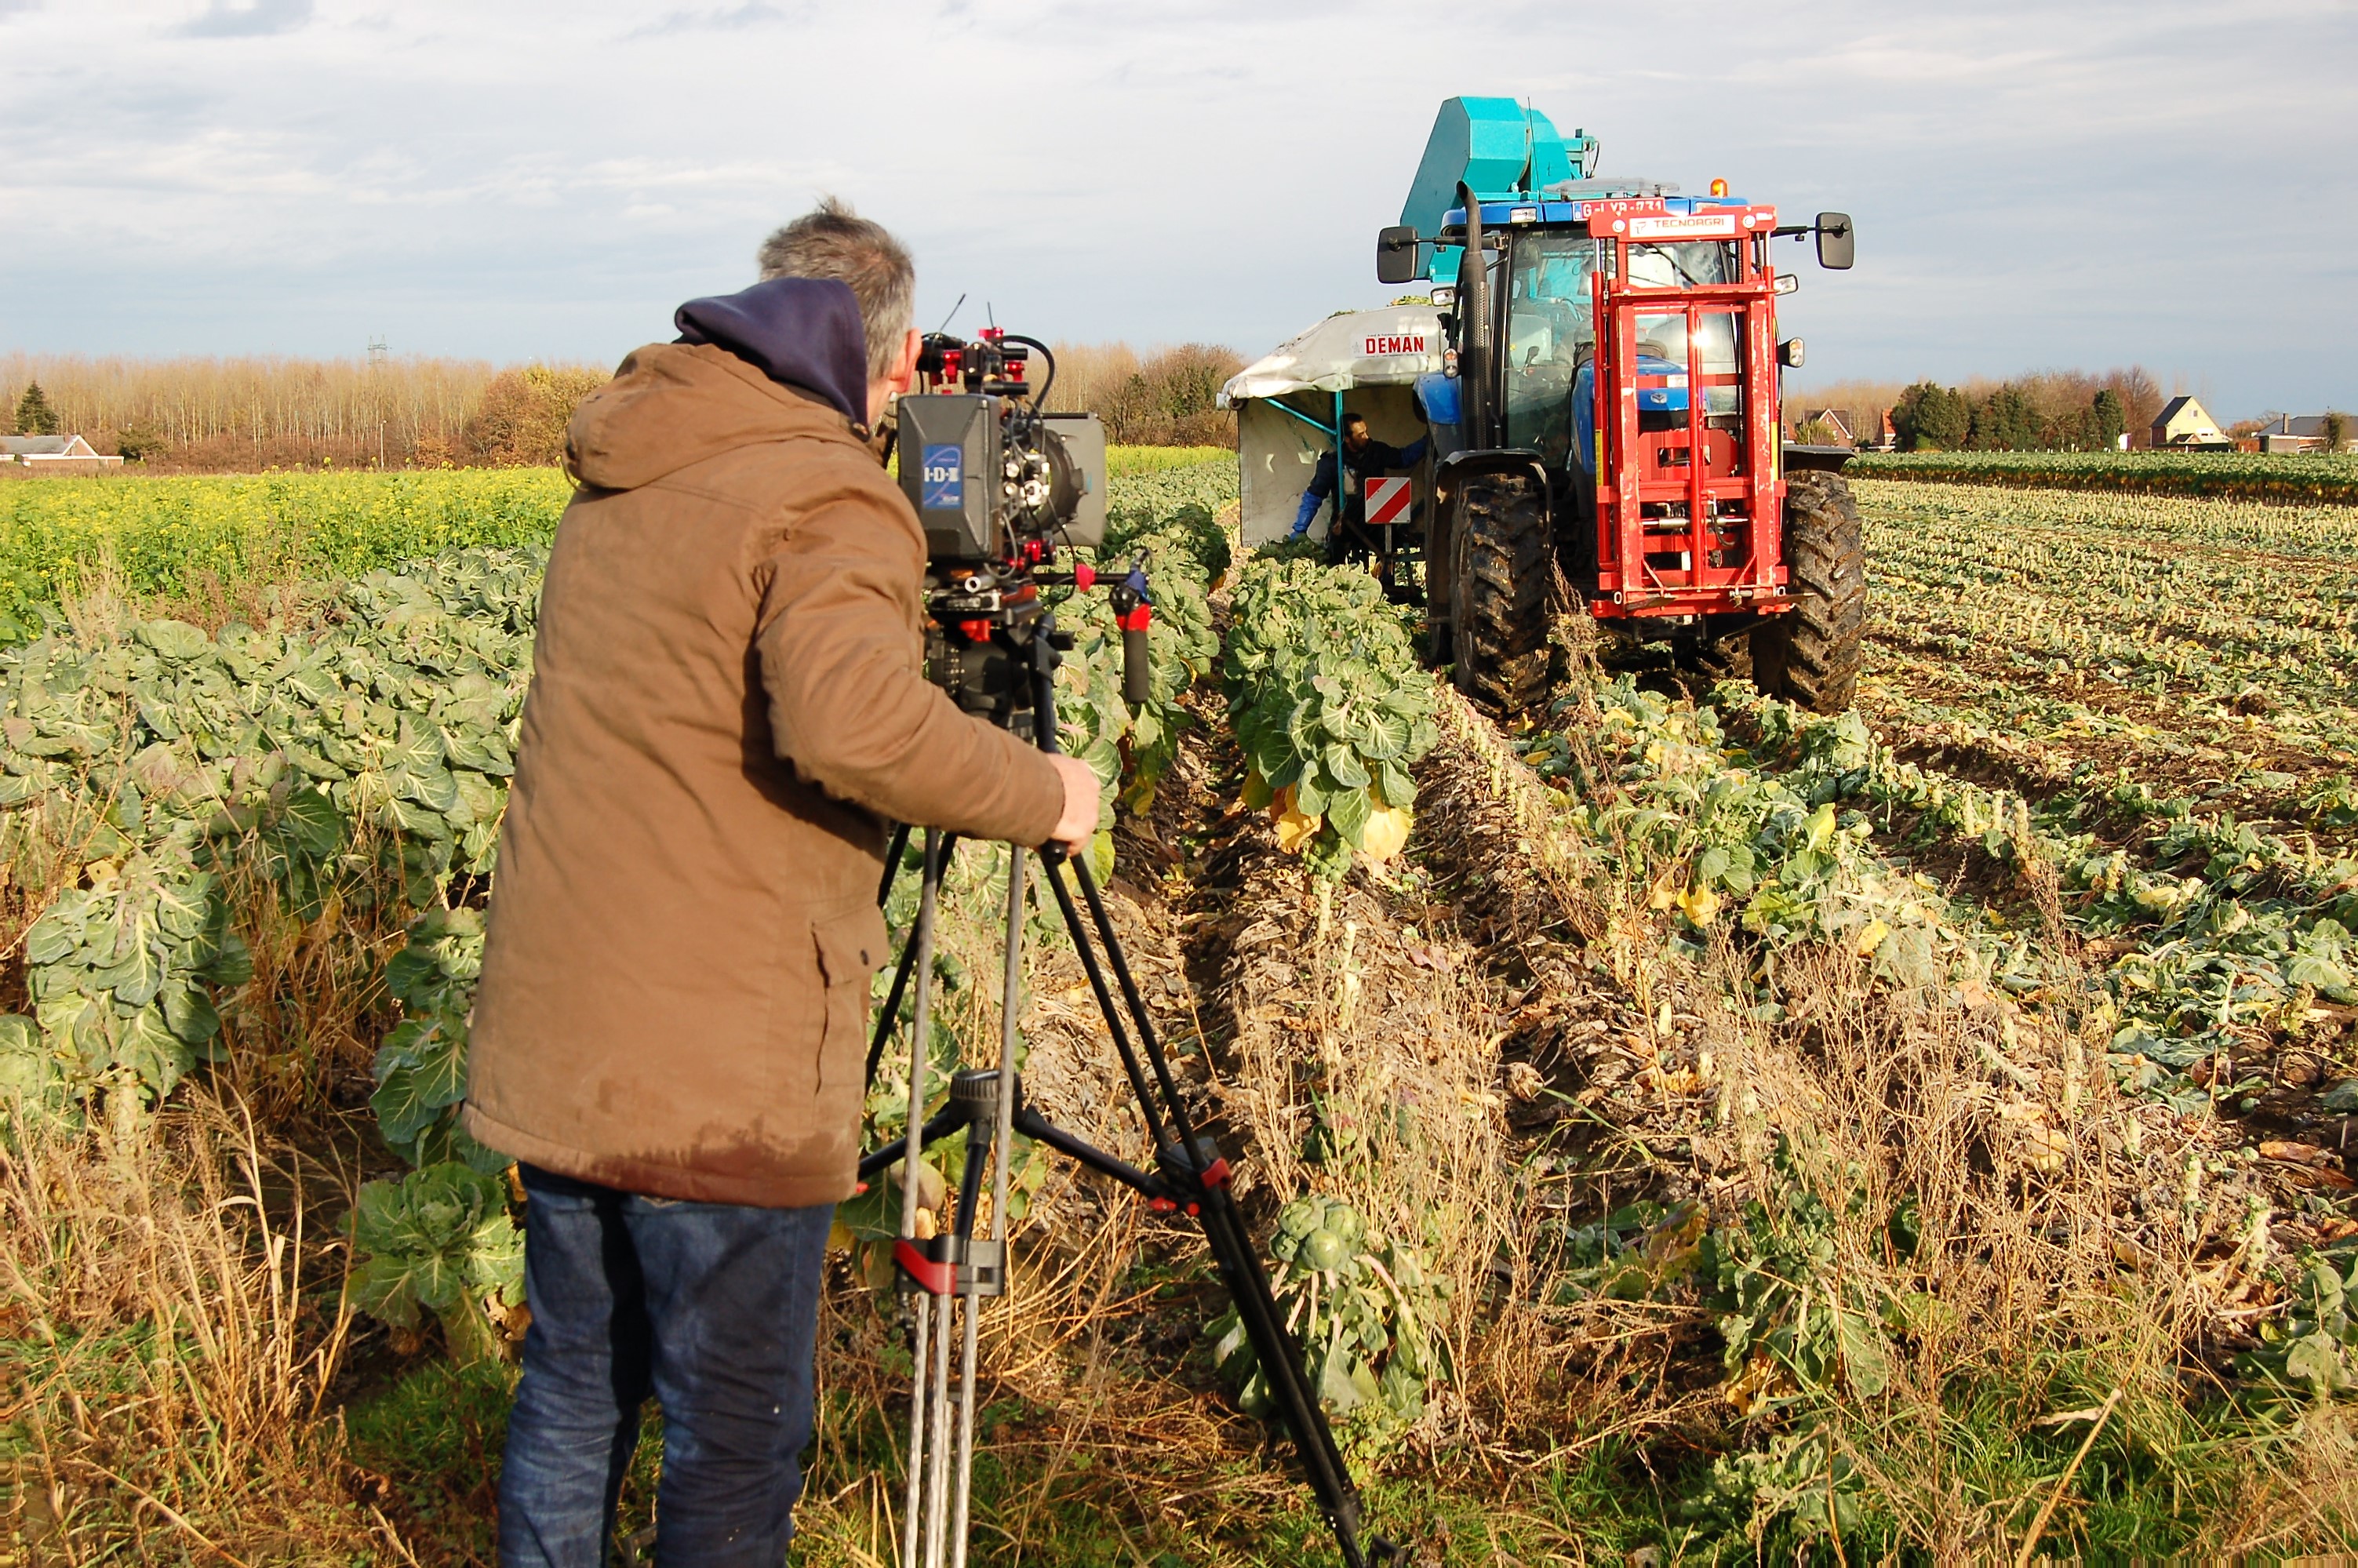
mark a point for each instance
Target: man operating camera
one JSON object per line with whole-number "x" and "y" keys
{"x": 728, "y": 705}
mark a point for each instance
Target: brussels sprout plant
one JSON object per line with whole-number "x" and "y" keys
{"x": 1331, "y": 710}
{"x": 122, "y": 971}
{"x": 421, "y": 1068}
{"x": 439, "y": 1240}
{"x": 1366, "y": 1314}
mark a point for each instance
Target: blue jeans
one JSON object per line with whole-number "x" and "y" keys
{"x": 713, "y": 1309}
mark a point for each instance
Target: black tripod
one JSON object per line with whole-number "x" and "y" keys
{"x": 951, "y": 1273}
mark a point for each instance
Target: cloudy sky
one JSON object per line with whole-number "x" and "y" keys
{"x": 2035, "y": 185}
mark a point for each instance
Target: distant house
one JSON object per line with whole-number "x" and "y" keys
{"x": 2185, "y": 424}
{"x": 1836, "y": 421}
{"x": 2302, "y": 432}
{"x": 1866, "y": 429}
{"x": 51, "y": 455}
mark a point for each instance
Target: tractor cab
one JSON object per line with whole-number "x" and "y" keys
{"x": 1615, "y": 418}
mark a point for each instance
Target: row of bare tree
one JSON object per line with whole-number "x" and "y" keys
{"x": 1162, "y": 398}
{"x": 205, "y": 415}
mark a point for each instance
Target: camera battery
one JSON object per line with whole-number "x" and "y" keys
{"x": 950, "y": 464}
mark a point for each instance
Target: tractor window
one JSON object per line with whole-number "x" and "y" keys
{"x": 1662, "y": 339}
{"x": 1695, "y": 265}
{"x": 1662, "y": 349}
{"x": 1551, "y": 331}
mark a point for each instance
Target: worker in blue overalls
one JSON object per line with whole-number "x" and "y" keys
{"x": 1366, "y": 459}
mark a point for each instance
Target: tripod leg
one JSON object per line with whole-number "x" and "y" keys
{"x": 1177, "y": 1103}
{"x": 937, "y": 1478}
{"x": 1224, "y": 1228}
{"x": 965, "y": 1497}
{"x": 1089, "y": 967}
{"x": 921, "y": 943}
{"x": 1232, "y": 1250}
{"x": 1280, "y": 1361}
{"x": 921, "y": 1027}
{"x": 893, "y": 853}
{"x": 891, "y": 1011}
{"x": 1011, "y": 1002}
{"x": 911, "y": 1542}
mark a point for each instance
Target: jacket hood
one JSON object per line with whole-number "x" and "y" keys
{"x": 672, "y": 404}
{"x": 803, "y": 333}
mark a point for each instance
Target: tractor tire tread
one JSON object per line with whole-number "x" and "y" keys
{"x": 1499, "y": 632}
{"x": 1809, "y": 654}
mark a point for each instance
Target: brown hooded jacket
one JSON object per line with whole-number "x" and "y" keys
{"x": 727, "y": 704}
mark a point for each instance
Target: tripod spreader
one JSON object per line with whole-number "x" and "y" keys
{"x": 967, "y": 1111}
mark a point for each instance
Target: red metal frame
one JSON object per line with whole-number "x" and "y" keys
{"x": 1688, "y": 518}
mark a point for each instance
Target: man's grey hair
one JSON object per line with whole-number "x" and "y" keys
{"x": 832, "y": 240}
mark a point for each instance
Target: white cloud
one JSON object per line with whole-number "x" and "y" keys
{"x": 719, "y": 19}
{"x": 246, "y": 18}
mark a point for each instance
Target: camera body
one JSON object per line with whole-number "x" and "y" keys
{"x": 996, "y": 481}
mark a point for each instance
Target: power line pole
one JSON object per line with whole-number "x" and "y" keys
{"x": 377, "y": 357}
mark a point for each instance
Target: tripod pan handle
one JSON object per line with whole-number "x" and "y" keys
{"x": 1134, "y": 663}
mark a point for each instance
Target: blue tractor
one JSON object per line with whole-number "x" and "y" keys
{"x": 1607, "y": 421}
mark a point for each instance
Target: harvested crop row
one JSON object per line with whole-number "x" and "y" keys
{"x": 2119, "y": 589}
{"x": 1704, "y": 1119}
{"x": 1854, "y": 1059}
{"x": 2215, "y": 943}
{"x": 1907, "y": 1103}
{"x": 2078, "y": 633}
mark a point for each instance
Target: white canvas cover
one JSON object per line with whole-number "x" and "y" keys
{"x": 1371, "y": 358}
{"x": 1391, "y": 347}
{"x": 1278, "y": 453}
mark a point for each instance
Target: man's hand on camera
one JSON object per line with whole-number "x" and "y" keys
{"x": 1079, "y": 825}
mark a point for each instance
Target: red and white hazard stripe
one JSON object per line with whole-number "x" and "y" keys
{"x": 1387, "y": 501}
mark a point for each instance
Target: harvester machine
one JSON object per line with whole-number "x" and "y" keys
{"x": 1606, "y": 420}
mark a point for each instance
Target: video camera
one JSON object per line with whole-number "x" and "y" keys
{"x": 998, "y": 483}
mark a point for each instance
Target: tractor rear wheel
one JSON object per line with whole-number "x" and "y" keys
{"x": 1809, "y": 654}
{"x": 1499, "y": 566}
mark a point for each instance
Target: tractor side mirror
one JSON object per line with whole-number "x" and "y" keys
{"x": 1396, "y": 249}
{"x": 1837, "y": 241}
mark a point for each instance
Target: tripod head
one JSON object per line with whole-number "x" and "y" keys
{"x": 992, "y": 642}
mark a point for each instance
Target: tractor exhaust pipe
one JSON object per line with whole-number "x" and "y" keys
{"x": 1474, "y": 305}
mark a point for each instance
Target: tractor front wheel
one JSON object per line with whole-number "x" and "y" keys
{"x": 1500, "y": 565}
{"x": 1809, "y": 654}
